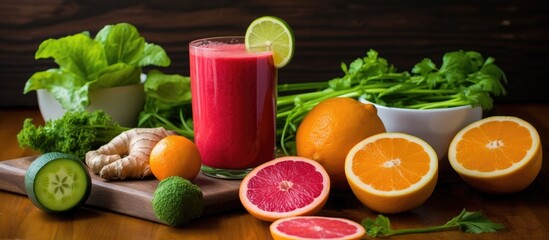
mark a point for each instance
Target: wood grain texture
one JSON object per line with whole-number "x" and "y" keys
{"x": 515, "y": 33}
{"x": 525, "y": 214}
{"x": 129, "y": 197}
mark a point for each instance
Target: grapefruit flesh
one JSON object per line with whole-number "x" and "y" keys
{"x": 285, "y": 187}
{"x": 316, "y": 227}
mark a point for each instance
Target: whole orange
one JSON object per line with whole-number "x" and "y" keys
{"x": 331, "y": 129}
{"x": 175, "y": 155}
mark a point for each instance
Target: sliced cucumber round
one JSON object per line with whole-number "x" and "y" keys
{"x": 57, "y": 182}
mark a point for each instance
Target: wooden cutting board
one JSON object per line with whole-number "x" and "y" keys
{"x": 130, "y": 197}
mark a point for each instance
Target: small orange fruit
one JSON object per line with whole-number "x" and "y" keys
{"x": 331, "y": 129}
{"x": 392, "y": 172}
{"x": 175, "y": 155}
{"x": 499, "y": 154}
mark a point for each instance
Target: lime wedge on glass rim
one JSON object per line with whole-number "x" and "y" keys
{"x": 276, "y": 33}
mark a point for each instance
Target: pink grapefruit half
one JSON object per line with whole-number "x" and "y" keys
{"x": 316, "y": 227}
{"x": 285, "y": 187}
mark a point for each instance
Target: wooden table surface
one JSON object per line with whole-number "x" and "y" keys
{"x": 525, "y": 214}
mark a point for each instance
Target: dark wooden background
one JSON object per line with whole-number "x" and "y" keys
{"x": 515, "y": 33}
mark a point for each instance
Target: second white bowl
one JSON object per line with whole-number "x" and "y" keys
{"x": 436, "y": 126}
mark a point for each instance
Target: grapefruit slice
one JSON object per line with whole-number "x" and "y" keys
{"x": 392, "y": 172}
{"x": 285, "y": 187}
{"x": 316, "y": 227}
{"x": 499, "y": 154}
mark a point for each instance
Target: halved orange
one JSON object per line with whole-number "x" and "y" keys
{"x": 392, "y": 172}
{"x": 499, "y": 154}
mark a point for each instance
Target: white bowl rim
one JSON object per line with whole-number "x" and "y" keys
{"x": 378, "y": 106}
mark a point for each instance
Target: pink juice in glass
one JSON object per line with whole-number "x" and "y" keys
{"x": 234, "y": 104}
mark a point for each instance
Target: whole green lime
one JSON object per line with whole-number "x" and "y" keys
{"x": 176, "y": 201}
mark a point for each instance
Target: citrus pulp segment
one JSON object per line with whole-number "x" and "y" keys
{"x": 316, "y": 227}
{"x": 498, "y": 154}
{"x": 392, "y": 172}
{"x": 274, "y": 32}
{"x": 285, "y": 187}
{"x": 331, "y": 129}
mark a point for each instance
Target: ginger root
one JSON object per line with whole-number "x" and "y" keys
{"x": 126, "y": 155}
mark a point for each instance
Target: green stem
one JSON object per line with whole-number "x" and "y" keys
{"x": 389, "y": 76}
{"x": 422, "y": 230}
{"x": 454, "y": 102}
{"x": 310, "y": 98}
{"x": 170, "y": 126}
{"x": 290, "y": 99}
{"x": 430, "y": 91}
{"x": 301, "y": 86}
{"x": 435, "y": 98}
{"x": 184, "y": 123}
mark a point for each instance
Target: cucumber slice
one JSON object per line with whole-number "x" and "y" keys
{"x": 57, "y": 182}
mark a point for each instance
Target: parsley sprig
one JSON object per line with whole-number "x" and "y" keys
{"x": 469, "y": 222}
{"x": 463, "y": 78}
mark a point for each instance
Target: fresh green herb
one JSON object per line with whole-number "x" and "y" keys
{"x": 168, "y": 103}
{"x": 114, "y": 58}
{"x": 75, "y": 133}
{"x": 469, "y": 222}
{"x": 464, "y": 78}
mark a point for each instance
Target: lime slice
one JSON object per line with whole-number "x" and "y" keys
{"x": 273, "y": 31}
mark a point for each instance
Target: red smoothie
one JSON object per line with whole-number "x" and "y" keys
{"x": 234, "y": 104}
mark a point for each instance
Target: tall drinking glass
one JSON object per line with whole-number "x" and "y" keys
{"x": 234, "y": 105}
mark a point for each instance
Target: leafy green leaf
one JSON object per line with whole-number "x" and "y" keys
{"x": 70, "y": 90}
{"x": 53, "y": 77}
{"x": 120, "y": 73}
{"x": 113, "y": 58}
{"x": 456, "y": 66}
{"x": 475, "y": 222}
{"x": 168, "y": 88}
{"x": 154, "y": 55}
{"x": 356, "y": 65}
{"x": 77, "y": 54}
{"x": 475, "y": 59}
{"x": 122, "y": 43}
{"x": 469, "y": 222}
{"x": 493, "y": 73}
{"x": 340, "y": 83}
{"x": 424, "y": 67}
{"x": 344, "y": 68}
{"x": 464, "y": 78}
{"x": 167, "y": 103}
{"x": 476, "y": 97}
{"x": 380, "y": 226}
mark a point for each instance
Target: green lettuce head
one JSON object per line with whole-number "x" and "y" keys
{"x": 113, "y": 58}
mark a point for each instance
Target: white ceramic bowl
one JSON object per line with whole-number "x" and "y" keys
{"x": 436, "y": 126}
{"x": 123, "y": 103}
